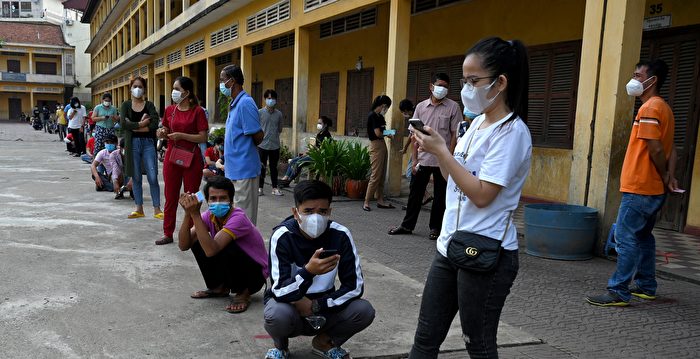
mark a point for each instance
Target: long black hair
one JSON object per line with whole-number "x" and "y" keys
{"x": 507, "y": 58}
{"x": 188, "y": 85}
{"x": 381, "y": 100}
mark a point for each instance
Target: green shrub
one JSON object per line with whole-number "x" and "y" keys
{"x": 327, "y": 160}
{"x": 357, "y": 165}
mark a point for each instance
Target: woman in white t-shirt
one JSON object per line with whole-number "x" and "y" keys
{"x": 485, "y": 175}
{"x": 76, "y": 119}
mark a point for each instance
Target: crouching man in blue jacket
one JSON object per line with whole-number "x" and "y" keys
{"x": 307, "y": 253}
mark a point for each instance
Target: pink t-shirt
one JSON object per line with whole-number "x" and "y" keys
{"x": 112, "y": 161}
{"x": 243, "y": 232}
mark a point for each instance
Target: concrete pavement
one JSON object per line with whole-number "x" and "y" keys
{"x": 81, "y": 280}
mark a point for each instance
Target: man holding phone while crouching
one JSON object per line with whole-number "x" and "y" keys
{"x": 307, "y": 253}
{"x": 228, "y": 248}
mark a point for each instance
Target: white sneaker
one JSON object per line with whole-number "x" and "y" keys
{"x": 277, "y": 192}
{"x": 260, "y": 192}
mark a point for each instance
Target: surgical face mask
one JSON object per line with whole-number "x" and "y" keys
{"x": 636, "y": 88}
{"x": 137, "y": 92}
{"x": 224, "y": 90}
{"x": 319, "y": 126}
{"x": 176, "y": 96}
{"x": 439, "y": 92}
{"x": 270, "y": 102}
{"x": 475, "y": 99}
{"x": 110, "y": 147}
{"x": 313, "y": 224}
{"x": 384, "y": 111}
{"x": 106, "y": 103}
{"x": 219, "y": 209}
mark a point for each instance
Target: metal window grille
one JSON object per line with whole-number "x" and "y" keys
{"x": 348, "y": 23}
{"x": 258, "y": 49}
{"x": 159, "y": 62}
{"x": 174, "y": 57}
{"x": 194, "y": 48}
{"x": 224, "y": 35}
{"x": 314, "y": 4}
{"x": 282, "y": 42}
{"x": 268, "y": 16}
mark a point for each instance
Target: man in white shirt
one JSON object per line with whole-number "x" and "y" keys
{"x": 76, "y": 119}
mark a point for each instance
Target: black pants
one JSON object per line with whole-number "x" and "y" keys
{"x": 479, "y": 299}
{"x": 274, "y": 158}
{"x": 419, "y": 183}
{"x": 79, "y": 140}
{"x": 231, "y": 267}
{"x": 61, "y": 131}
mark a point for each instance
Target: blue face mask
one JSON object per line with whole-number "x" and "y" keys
{"x": 219, "y": 209}
{"x": 224, "y": 90}
{"x": 110, "y": 147}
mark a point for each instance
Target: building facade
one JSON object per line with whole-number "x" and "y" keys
{"x": 36, "y": 67}
{"x": 331, "y": 57}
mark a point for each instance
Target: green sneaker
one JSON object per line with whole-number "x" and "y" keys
{"x": 608, "y": 299}
{"x": 640, "y": 293}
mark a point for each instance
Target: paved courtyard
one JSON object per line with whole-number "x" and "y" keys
{"x": 80, "y": 280}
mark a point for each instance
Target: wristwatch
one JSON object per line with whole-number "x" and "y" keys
{"x": 315, "y": 307}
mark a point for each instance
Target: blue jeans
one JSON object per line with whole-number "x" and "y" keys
{"x": 635, "y": 244}
{"x": 144, "y": 153}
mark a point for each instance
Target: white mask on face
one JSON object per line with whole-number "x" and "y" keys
{"x": 106, "y": 103}
{"x": 636, "y": 88}
{"x": 137, "y": 92}
{"x": 319, "y": 126}
{"x": 384, "y": 111}
{"x": 270, "y": 102}
{"x": 439, "y": 92}
{"x": 313, "y": 224}
{"x": 476, "y": 100}
{"x": 176, "y": 96}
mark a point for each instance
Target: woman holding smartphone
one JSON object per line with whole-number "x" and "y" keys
{"x": 184, "y": 126}
{"x": 485, "y": 175}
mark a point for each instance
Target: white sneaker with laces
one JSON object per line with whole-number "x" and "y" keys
{"x": 277, "y": 192}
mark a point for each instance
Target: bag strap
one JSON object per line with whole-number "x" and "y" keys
{"x": 172, "y": 119}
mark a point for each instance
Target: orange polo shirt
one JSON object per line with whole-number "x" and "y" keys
{"x": 654, "y": 121}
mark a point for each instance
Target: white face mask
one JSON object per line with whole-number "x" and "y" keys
{"x": 636, "y": 88}
{"x": 313, "y": 224}
{"x": 270, "y": 102}
{"x": 384, "y": 111}
{"x": 319, "y": 126}
{"x": 439, "y": 92}
{"x": 176, "y": 96}
{"x": 476, "y": 100}
{"x": 137, "y": 92}
{"x": 106, "y": 103}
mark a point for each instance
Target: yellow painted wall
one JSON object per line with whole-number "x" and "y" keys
{"x": 271, "y": 66}
{"x": 23, "y": 62}
{"x": 693, "y": 218}
{"x": 27, "y": 105}
{"x": 339, "y": 54}
{"x": 549, "y": 174}
{"x": 57, "y": 61}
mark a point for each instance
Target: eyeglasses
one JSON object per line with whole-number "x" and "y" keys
{"x": 471, "y": 81}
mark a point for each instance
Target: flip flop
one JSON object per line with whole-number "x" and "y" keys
{"x": 135, "y": 214}
{"x": 385, "y": 206}
{"x": 237, "y": 301}
{"x": 159, "y": 216}
{"x": 164, "y": 240}
{"x": 366, "y": 208}
{"x": 208, "y": 293}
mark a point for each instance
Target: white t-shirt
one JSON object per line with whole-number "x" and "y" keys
{"x": 79, "y": 119}
{"x": 499, "y": 155}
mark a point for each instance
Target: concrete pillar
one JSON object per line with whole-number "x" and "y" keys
{"x": 247, "y": 67}
{"x": 151, "y": 85}
{"x": 621, "y": 43}
{"x": 212, "y": 83}
{"x": 149, "y": 18}
{"x": 31, "y": 65}
{"x": 156, "y": 15}
{"x": 397, "y": 69}
{"x": 31, "y": 99}
{"x": 132, "y": 32}
{"x": 185, "y": 5}
{"x": 168, "y": 87}
{"x": 157, "y": 93}
{"x": 168, "y": 11}
{"x": 301, "y": 85}
{"x": 186, "y": 71}
{"x": 142, "y": 24}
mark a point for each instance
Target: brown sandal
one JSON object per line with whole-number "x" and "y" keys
{"x": 237, "y": 301}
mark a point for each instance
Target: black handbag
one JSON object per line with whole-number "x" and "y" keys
{"x": 471, "y": 251}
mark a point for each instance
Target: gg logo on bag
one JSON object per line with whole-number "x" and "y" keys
{"x": 471, "y": 251}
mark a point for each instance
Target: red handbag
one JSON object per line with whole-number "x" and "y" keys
{"x": 180, "y": 156}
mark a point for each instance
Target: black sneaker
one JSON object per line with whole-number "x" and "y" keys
{"x": 608, "y": 299}
{"x": 640, "y": 293}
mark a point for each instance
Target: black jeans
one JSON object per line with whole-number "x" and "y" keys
{"x": 79, "y": 140}
{"x": 231, "y": 267}
{"x": 479, "y": 299}
{"x": 274, "y": 157}
{"x": 419, "y": 182}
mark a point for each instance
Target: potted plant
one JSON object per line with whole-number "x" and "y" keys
{"x": 285, "y": 156}
{"x": 356, "y": 170}
{"x": 327, "y": 163}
